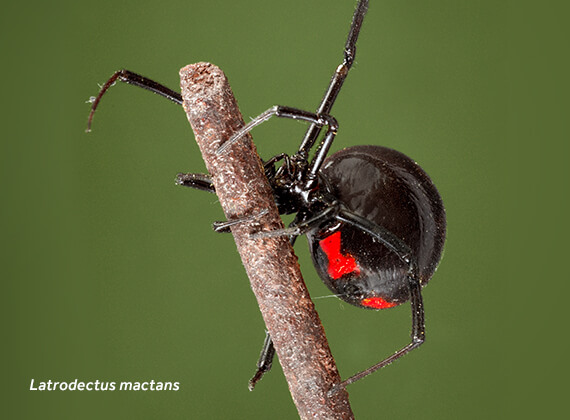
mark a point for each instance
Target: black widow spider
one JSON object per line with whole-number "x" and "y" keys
{"x": 375, "y": 222}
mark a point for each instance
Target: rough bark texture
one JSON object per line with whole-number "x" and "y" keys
{"x": 271, "y": 265}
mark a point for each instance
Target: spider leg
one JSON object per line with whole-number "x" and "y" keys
{"x": 417, "y": 336}
{"x": 204, "y": 182}
{"x": 273, "y": 160}
{"x": 338, "y": 77}
{"x": 387, "y": 238}
{"x": 201, "y": 182}
{"x": 265, "y": 361}
{"x": 337, "y": 211}
{"x": 137, "y": 80}
{"x": 224, "y": 227}
{"x": 282, "y": 112}
{"x": 405, "y": 254}
{"x": 298, "y": 228}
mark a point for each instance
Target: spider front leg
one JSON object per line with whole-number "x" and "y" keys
{"x": 285, "y": 112}
{"x": 135, "y": 79}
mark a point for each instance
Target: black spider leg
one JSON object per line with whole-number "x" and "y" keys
{"x": 131, "y": 78}
{"x": 416, "y": 301}
{"x": 388, "y": 239}
{"x": 265, "y": 361}
{"x": 298, "y": 228}
{"x": 337, "y": 79}
{"x": 204, "y": 182}
{"x": 200, "y": 182}
{"x": 224, "y": 227}
{"x": 326, "y": 104}
{"x": 283, "y": 112}
{"x": 418, "y": 335}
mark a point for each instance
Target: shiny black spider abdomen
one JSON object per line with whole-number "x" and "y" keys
{"x": 391, "y": 190}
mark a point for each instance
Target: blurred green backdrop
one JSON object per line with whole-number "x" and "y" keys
{"x": 111, "y": 272}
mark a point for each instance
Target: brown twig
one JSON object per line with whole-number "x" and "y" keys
{"x": 270, "y": 263}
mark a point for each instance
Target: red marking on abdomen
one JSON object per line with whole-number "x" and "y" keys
{"x": 339, "y": 264}
{"x": 377, "y": 303}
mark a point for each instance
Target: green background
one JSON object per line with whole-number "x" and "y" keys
{"x": 111, "y": 272}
